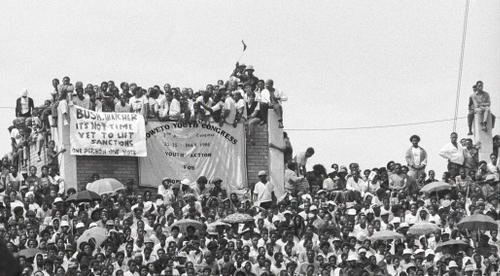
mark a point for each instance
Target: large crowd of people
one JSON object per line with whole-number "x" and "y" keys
{"x": 341, "y": 221}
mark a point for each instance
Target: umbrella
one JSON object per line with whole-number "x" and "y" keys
{"x": 386, "y": 235}
{"x": 435, "y": 187}
{"x": 99, "y": 234}
{"x": 29, "y": 252}
{"x": 183, "y": 224}
{"x": 83, "y": 196}
{"x": 422, "y": 228}
{"x": 452, "y": 246}
{"x": 237, "y": 218}
{"x": 105, "y": 186}
{"x": 218, "y": 223}
{"x": 478, "y": 222}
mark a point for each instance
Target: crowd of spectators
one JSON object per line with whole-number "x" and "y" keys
{"x": 327, "y": 222}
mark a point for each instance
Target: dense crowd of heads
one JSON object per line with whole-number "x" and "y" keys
{"x": 342, "y": 221}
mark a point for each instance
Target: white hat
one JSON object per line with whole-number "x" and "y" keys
{"x": 58, "y": 199}
{"x": 351, "y": 212}
{"x": 429, "y": 252}
{"x": 313, "y": 207}
{"x": 64, "y": 223}
{"x": 261, "y": 173}
{"x": 418, "y": 251}
{"x": 407, "y": 251}
{"x": 185, "y": 181}
{"x": 362, "y": 250}
{"x": 452, "y": 264}
{"x": 404, "y": 225}
{"x": 92, "y": 224}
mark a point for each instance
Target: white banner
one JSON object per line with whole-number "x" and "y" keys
{"x": 189, "y": 150}
{"x": 102, "y": 133}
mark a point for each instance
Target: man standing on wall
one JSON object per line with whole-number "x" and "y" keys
{"x": 454, "y": 153}
{"x": 416, "y": 158}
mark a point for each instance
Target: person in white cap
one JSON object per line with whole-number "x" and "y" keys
{"x": 453, "y": 268}
{"x": 263, "y": 191}
{"x": 407, "y": 258}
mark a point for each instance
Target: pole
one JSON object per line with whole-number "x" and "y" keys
{"x": 461, "y": 63}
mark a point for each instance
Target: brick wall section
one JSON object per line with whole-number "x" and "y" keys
{"x": 257, "y": 154}
{"x": 33, "y": 159}
{"x": 122, "y": 168}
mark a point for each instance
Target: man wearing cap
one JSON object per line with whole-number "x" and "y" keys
{"x": 263, "y": 191}
{"x": 249, "y": 78}
{"x": 416, "y": 158}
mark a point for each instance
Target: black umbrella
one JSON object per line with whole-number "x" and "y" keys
{"x": 83, "y": 196}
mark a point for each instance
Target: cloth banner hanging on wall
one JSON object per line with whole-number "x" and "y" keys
{"x": 178, "y": 151}
{"x": 106, "y": 134}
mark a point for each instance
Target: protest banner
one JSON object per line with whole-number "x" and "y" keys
{"x": 180, "y": 151}
{"x": 106, "y": 134}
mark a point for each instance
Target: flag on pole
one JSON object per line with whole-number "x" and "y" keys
{"x": 244, "y": 45}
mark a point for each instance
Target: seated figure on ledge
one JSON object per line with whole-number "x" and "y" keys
{"x": 479, "y": 105}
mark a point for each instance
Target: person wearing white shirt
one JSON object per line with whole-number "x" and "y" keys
{"x": 291, "y": 178}
{"x": 241, "y": 107}
{"x": 356, "y": 183}
{"x": 263, "y": 191}
{"x": 272, "y": 98}
{"x": 493, "y": 166}
{"x": 206, "y": 102}
{"x": 454, "y": 153}
{"x": 229, "y": 110}
{"x": 174, "y": 112}
{"x": 139, "y": 102}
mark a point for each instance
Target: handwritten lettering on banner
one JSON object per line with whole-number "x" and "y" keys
{"x": 109, "y": 134}
{"x": 180, "y": 151}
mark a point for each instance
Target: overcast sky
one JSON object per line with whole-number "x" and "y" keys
{"x": 342, "y": 63}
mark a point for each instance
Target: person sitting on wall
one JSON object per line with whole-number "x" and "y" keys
{"x": 481, "y": 102}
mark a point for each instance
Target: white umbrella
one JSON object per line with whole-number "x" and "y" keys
{"x": 105, "y": 186}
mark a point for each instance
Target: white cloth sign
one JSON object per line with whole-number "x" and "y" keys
{"x": 103, "y": 133}
{"x": 189, "y": 150}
